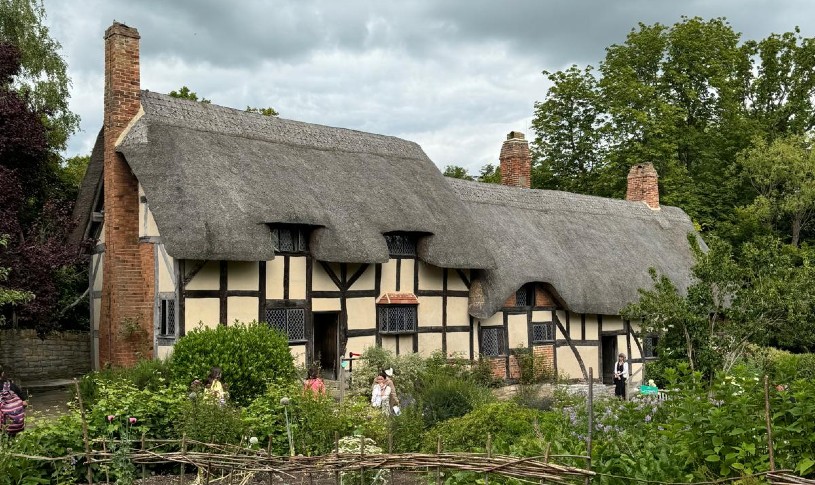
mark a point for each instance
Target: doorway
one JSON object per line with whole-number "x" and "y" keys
{"x": 609, "y": 357}
{"x": 326, "y": 342}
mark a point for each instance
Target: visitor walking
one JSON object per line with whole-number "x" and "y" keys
{"x": 12, "y": 410}
{"x": 393, "y": 399}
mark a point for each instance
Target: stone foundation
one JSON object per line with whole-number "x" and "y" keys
{"x": 27, "y": 358}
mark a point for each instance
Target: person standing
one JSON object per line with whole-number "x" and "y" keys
{"x": 393, "y": 399}
{"x": 314, "y": 383}
{"x": 12, "y": 410}
{"x": 620, "y": 375}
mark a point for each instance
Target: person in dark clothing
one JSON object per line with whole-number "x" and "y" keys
{"x": 620, "y": 375}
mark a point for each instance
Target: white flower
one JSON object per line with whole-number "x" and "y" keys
{"x": 253, "y": 440}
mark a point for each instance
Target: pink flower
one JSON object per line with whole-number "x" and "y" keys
{"x": 111, "y": 418}
{"x": 132, "y": 420}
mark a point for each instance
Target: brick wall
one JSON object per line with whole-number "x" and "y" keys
{"x": 27, "y": 358}
{"x": 128, "y": 288}
{"x": 516, "y": 161}
{"x": 643, "y": 185}
{"x": 543, "y": 298}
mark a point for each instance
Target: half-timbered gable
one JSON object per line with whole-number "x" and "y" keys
{"x": 343, "y": 240}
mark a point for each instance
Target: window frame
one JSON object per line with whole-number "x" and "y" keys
{"x": 549, "y": 329}
{"x": 528, "y": 291}
{"x": 649, "y": 347}
{"x": 414, "y": 317}
{"x": 299, "y": 236}
{"x": 411, "y": 240}
{"x": 501, "y": 341}
{"x": 287, "y": 309}
{"x": 163, "y": 337}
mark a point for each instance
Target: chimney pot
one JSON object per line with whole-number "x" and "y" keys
{"x": 516, "y": 160}
{"x": 643, "y": 185}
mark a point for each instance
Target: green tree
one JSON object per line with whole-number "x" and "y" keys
{"x": 490, "y": 174}
{"x": 10, "y": 296}
{"x": 687, "y": 97}
{"x": 43, "y": 79}
{"x": 456, "y": 172}
{"x": 783, "y": 174}
{"x": 185, "y": 93}
{"x": 263, "y": 111}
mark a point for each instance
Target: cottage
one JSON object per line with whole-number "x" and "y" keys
{"x": 342, "y": 240}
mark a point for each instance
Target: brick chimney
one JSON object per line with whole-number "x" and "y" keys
{"x": 643, "y": 185}
{"x": 126, "y": 319}
{"x": 516, "y": 160}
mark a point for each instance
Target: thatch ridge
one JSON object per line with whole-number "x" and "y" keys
{"x": 594, "y": 251}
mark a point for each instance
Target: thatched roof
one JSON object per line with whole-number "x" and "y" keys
{"x": 595, "y": 252}
{"x": 215, "y": 177}
{"x": 88, "y": 190}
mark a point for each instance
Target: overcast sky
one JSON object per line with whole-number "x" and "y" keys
{"x": 453, "y": 75}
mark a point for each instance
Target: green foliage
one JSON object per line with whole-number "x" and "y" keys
{"x": 208, "y": 421}
{"x": 456, "y": 172}
{"x": 156, "y": 410}
{"x": 446, "y": 395}
{"x": 504, "y": 421}
{"x": 10, "y": 296}
{"x": 44, "y": 77}
{"x": 263, "y": 111}
{"x": 185, "y": 93}
{"x": 251, "y": 356}
{"x": 147, "y": 374}
{"x": 73, "y": 170}
{"x": 490, "y": 174}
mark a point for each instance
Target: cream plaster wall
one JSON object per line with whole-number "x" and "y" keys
{"x": 165, "y": 273}
{"x": 496, "y": 319}
{"x": 612, "y": 322}
{"x": 457, "y": 311}
{"x": 242, "y": 275}
{"x": 299, "y": 354}
{"x": 97, "y": 313}
{"x": 406, "y": 275}
{"x": 326, "y": 305}
{"x": 540, "y": 316}
{"x": 359, "y": 344}
{"x": 147, "y": 224}
{"x": 241, "y": 308}
{"x": 274, "y": 279}
{"x": 591, "y": 358}
{"x": 297, "y": 277}
{"x": 206, "y": 310}
{"x": 561, "y": 315}
{"x": 454, "y": 281}
{"x": 406, "y": 344}
{"x": 388, "y": 280}
{"x": 101, "y": 235}
{"x": 389, "y": 342}
{"x": 97, "y": 281}
{"x": 208, "y": 278}
{"x": 361, "y": 313}
{"x": 458, "y": 344}
{"x": 164, "y": 351}
{"x": 574, "y": 326}
{"x": 430, "y": 277}
{"x": 567, "y": 363}
{"x": 430, "y": 308}
{"x": 320, "y": 281}
{"x": 366, "y": 281}
{"x": 592, "y": 327}
{"x": 517, "y": 331}
{"x": 428, "y": 343}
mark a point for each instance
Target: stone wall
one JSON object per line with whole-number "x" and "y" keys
{"x": 28, "y": 358}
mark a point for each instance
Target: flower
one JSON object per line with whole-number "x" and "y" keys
{"x": 253, "y": 440}
{"x": 647, "y": 418}
{"x": 111, "y": 417}
{"x": 132, "y": 420}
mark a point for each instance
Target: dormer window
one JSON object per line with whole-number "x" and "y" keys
{"x": 525, "y": 296}
{"x": 290, "y": 238}
{"x": 401, "y": 244}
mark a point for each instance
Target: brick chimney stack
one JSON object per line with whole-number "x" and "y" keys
{"x": 516, "y": 160}
{"x": 126, "y": 319}
{"x": 643, "y": 185}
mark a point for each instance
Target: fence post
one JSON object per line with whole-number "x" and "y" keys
{"x": 489, "y": 456}
{"x": 143, "y": 465}
{"x": 269, "y": 452}
{"x": 105, "y": 450}
{"x": 84, "y": 432}
{"x": 590, "y": 410}
{"x": 183, "y": 456}
{"x": 769, "y": 422}
{"x": 337, "y": 454}
{"x": 438, "y": 452}
{"x": 361, "y": 459}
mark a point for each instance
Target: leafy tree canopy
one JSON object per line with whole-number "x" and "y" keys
{"x": 185, "y": 93}
{"x": 43, "y": 78}
{"x": 263, "y": 111}
{"x": 456, "y": 172}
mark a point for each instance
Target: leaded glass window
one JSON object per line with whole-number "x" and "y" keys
{"x": 492, "y": 341}
{"x": 649, "y": 346}
{"x": 289, "y": 321}
{"x": 167, "y": 325}
{"x": 399, "y": 244}
{"x": 543, "y": 332}
{"x": 525, "y": 296}
{"x": 397, "y": 318}
{"x": 290, "y": 239}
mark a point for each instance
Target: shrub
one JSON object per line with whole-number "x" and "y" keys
{"x": 250, "y": 356}
{"x": 444, "y": 396}
{"x": 210, "y": 422}
{"x": 156, "y": 411}
{"x": 504, "y": 421}
{"x": 407, "y": 371}
{"x": 146, "y": 374}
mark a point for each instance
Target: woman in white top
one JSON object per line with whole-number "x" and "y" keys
{"x": 380, "y": 395}
{"x": 620, "y": 374}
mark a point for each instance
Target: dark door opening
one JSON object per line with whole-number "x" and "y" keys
{"x": 326, "y": 342}
{"x": 609, "y": 357}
